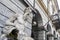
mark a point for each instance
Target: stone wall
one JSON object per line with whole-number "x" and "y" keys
{"x": 11, "y": 7}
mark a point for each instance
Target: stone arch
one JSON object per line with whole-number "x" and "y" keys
{"x": 36, "y": 24}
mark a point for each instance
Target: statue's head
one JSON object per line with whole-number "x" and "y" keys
{"x": 28, "y": 9}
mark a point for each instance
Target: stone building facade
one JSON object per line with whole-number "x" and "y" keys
{"x": 36, "y": 20}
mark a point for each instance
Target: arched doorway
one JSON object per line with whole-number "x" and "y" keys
{"x": 36, "y": 25}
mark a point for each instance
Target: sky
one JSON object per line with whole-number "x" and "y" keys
{"x": 59, "y": 3}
